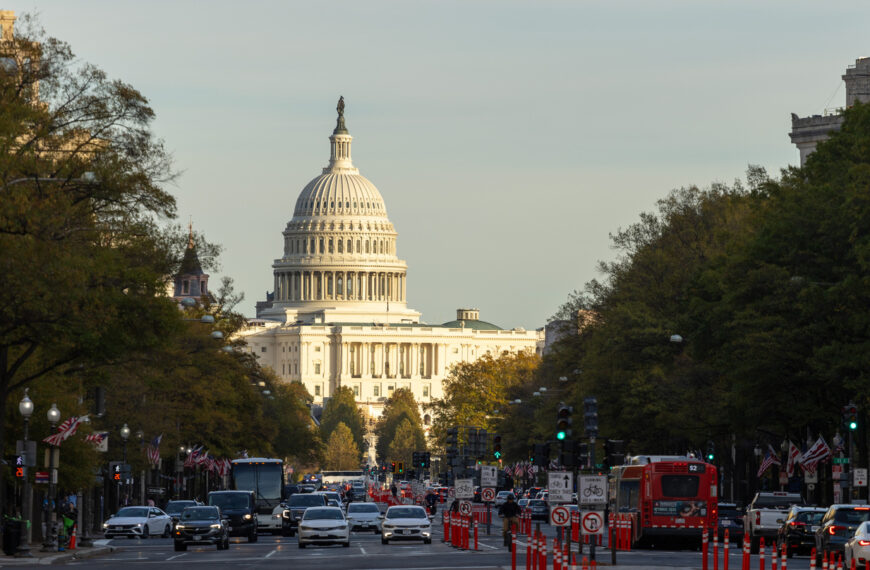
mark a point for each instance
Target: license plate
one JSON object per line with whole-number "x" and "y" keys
{"x": 680, "y": 521}
{"x": 364, "y": 525}
{"x": 197, "y": 537}
{"x": 814, "y": 528}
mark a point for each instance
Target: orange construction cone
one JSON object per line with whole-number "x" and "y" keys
{"x": 72, "y": 539}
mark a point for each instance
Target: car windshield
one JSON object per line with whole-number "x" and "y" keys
{"x": 363, "y": 508}
{"x": 406, "y": 513}
{"x": 133, "y": 512}
{"x": 306, "y": 501}
{"x": 537, "y": 503}
{"x": 173, "y": 507}
{"x": 810, "y": 517}
{"x": 230, "y": 500}
{"x": 200, "y": 514}
{"x": 323, "y": 514}
{"x": 776, "y": 502}
{"x": 852, "y": 516}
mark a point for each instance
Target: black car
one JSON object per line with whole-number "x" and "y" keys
{"x": 297, "y": 504}
{"x": 837, "y": 527}
{"x": 730, "y": 519}
{"x": 240, "y": 507}
{"x": 201, "y": 525}
{"x": 798, "y": 530}
{"x": 174, "y": 508}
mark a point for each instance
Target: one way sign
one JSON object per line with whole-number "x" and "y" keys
{"x": 560, "y": 485}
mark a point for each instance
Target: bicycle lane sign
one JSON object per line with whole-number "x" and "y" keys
{"x": 592, "y": 490}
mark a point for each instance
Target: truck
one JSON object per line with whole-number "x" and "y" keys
{"x": 765, "y": 514}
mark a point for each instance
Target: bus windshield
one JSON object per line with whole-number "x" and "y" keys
{"x": 265, "y": 479}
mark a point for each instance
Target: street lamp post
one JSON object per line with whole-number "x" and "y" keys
{"x": 25, "y": 406}
{"x": 50, "y": 542}
{"x": 125, "y": 435}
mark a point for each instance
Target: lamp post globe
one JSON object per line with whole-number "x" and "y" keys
{"x": 50, "y": 543}
{"x": 53, "y": 414}
{"x": 25, "y": 406}
{"x": 125, "y": 432}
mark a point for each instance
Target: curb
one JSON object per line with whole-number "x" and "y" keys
{"x": 90, "y": 552}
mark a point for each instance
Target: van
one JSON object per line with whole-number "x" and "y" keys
{"x": 240, "y": 507}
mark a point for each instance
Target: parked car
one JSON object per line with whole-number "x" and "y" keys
{"x": 538, "y": 509}
{"x": 298, "y": 504}
{"x": 501, "y": 498}
{"x": 837, "y": 526}
{"x": 174, "y": 508}
{"x": 364, "y": 516}
{"x": 138, "y": 522}
{"x": 403, "y": 522}
{"x": 240, "y": 508}
{"x": 858, "y": 547}
{"x": 202, "y": 525}
{"x": 730, "y": 519}
{"x": 324, "y": 525}
{"x": 798, "y": 530}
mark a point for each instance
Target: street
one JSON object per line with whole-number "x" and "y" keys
{"x": 367, "y": 552}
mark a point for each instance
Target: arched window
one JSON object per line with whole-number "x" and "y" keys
{"x": 367, "y": 246}
{"x": 330, "y": 245}
{"x": 340, "y": 246}
{"x": 427, "y": 420}
{"x": 321, "y": 245}
{"x": 358, "y": 250}
{"x": 349, "y": 246}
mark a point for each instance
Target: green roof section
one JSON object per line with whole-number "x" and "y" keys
{"x": 471, "y": 324}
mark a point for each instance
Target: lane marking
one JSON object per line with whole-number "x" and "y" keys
{"x": 176, "y": 556}
{"x": 363, "y": 550}
{"x": 271, "y": 553}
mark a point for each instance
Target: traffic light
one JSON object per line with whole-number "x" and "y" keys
{"x": 393, "y": 467}
{"x": 614, "y": 452}
{"x": 590, "y": 416}
{"x": 426, "y": 459}
{"x": 542, "y": 454}
{"x": 563, "y": 422}
{"x": 711, "y": 451}
{"x": 452, "y": 447}
{"x": 400, "y": 466}
{"x": 496, "y": 446}
{"x": 581, "y": 451}
{"x": 850, "y": 416}
{"x": 567, "y": 457}
{"x": 481, "y": 443}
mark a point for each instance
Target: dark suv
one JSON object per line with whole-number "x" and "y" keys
{"x": 201, "y": 525}
{"x": 837, "y": 526}
{"x": 240, "y": 507}
{"x": 798, "y": 530}
{"x": 731, "y": 519}
{"x": 297, "y": 505}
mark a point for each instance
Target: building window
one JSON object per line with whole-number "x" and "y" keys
{"x": 427, "y": 420}
{"x": 317, "y": 390}
{"x": 356, "y": 390}
{"x": 377, "y": 390}
{"x": 426, "y": 393}
{"x": 390, "y": 388}
{"x": 317, "y": 368}
{"x": 185, "y": 287}
{"x": 263, "y": 349}
{"x": 202, "y": 287}
{"x": 283, "y": 369}
{"x": 316, "y": 349}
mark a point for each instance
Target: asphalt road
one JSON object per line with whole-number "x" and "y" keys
{"x": 367, "y": 552}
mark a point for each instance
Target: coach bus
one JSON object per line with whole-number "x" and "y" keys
{"x": 265, "y": 477}
{"x": 666, "y": 497}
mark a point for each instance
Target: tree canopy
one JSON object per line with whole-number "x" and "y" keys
{"x": 400, "y": 407}
{"x": 341, "y": 451}
{"x": 342, "y": 408}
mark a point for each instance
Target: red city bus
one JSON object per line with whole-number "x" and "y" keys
{"x": 666, "y": 496}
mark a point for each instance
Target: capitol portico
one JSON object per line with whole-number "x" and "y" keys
{"x": 338, "y": 315}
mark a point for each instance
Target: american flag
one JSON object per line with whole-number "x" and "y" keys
{"x": 769, "y": 459}
{"x": 192, "y": 456}
{"x": 814, "y": 455}
{"x": 508, "y": 471}
{"x": 153, "y": 451}
{"x": 97, "y": 438}
{"x": 794, "y": 457}
{"x": 65, "y": 430}
{"x": 518, "y": 470}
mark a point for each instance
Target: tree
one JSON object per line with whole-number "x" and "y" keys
{"x": 404, "y": 443}
{"x": 342, "y": 408}
{"x": 296, "y": 436}
{"x": 399, "y": 407}
{"x": 84, "y": 263}
{"x": 341, "y": 452}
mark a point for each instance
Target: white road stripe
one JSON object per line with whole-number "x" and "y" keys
{"x": 177, "y": 556}
{"x": 363, "y": 550}
{"x": 271, "y": 553}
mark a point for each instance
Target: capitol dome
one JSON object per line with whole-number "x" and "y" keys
{"x": 339, "y": 262}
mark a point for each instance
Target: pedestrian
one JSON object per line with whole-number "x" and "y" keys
{"x": 394, "y": 490}
{"x": 431, "y": 500}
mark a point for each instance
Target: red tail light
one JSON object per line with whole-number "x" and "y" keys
{"x": 864, "y": 542}
{"x": 797, "y": 523}
{"x": 758, "y": 518}
{"x": 834, "y": 528}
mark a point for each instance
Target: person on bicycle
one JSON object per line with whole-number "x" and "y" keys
{"x": 509, "y": 511}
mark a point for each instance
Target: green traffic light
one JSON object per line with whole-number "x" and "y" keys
{"x": 497, "y": 454}
{"x": 853, "y": 425}
{"x": 710, "y": 457}
{"x": 560, "y": 435}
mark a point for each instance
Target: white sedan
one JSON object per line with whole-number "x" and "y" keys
{"x": 364, "y": 516}
{"x": 406, "y": 522}
{"x": 324, "y": 525}
{"x": 139, "y": 522}
{"x": 858, "y": 547}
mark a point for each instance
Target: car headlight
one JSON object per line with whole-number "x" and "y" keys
{"x": 302, "y": 527}
{"x": 139, "y": 525}
{"x": 215, "y": 526}
{"x": 179, "y": 527}
{"x": 247, "y": 517}
{"x": 105, "y": 525}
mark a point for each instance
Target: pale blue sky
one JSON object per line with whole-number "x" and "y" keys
{"x": 507, "y": 138}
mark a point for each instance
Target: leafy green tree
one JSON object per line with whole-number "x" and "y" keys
{"x": 404, "y": 443}
{"x": 399, "y": 407}
{"x": 296, "y": 436}
{"x": 342, "y": 408}
{"x": 341, "y": 452}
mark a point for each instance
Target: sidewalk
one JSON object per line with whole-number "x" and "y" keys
{"x": 40, "y": 557}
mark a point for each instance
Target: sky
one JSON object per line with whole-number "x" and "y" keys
{"x": 508, "y": 139}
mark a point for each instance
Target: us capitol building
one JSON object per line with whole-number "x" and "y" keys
{"x": 338, "y": 315}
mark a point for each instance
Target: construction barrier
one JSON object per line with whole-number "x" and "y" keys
{"x": 813, "y": 559}
{"x": 747, "y": 542}
{"x": 513, "y": 550}
{"x": 704, "y": 548}
{"x": 761, "y": 553}
{"x": 575, "y": 526}
{"x": 475, "y": 534}
{"x": 725, "y": 545}
{"x": 622, "y": 525}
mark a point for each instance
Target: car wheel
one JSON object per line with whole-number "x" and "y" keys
{"x": 427, "y": 541}
{"x": 384, "y": 540}
{"x": 180, "y": 546}
{"x": 252, "y": 537}
{"x": 301, "y": 544}
{"x": 166, "y": 532}
{"x": 146, "y": 533}
{"x": 227, "y": 543}
{"x": 346, "y": 544}
{"x": 377, "y": 531}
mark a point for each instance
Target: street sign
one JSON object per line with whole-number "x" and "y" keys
{"x": 811, "y": 477}
{"x": 592, "y": 522}
{"x": 560, "y": 485}
{"x": 592, "y": 490}
{"x": 487, "y": 495}
{"x": 465, "y": 488}
{"x": 40, "y": 477}
{"x": 840, "y": 460}
{"x": 160, "y": 491}
{"x": 859, "y": 477}
{"x": 560, "y": 516}
{"x": 488, "y": 476}
{"x": 465, "y": 508}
